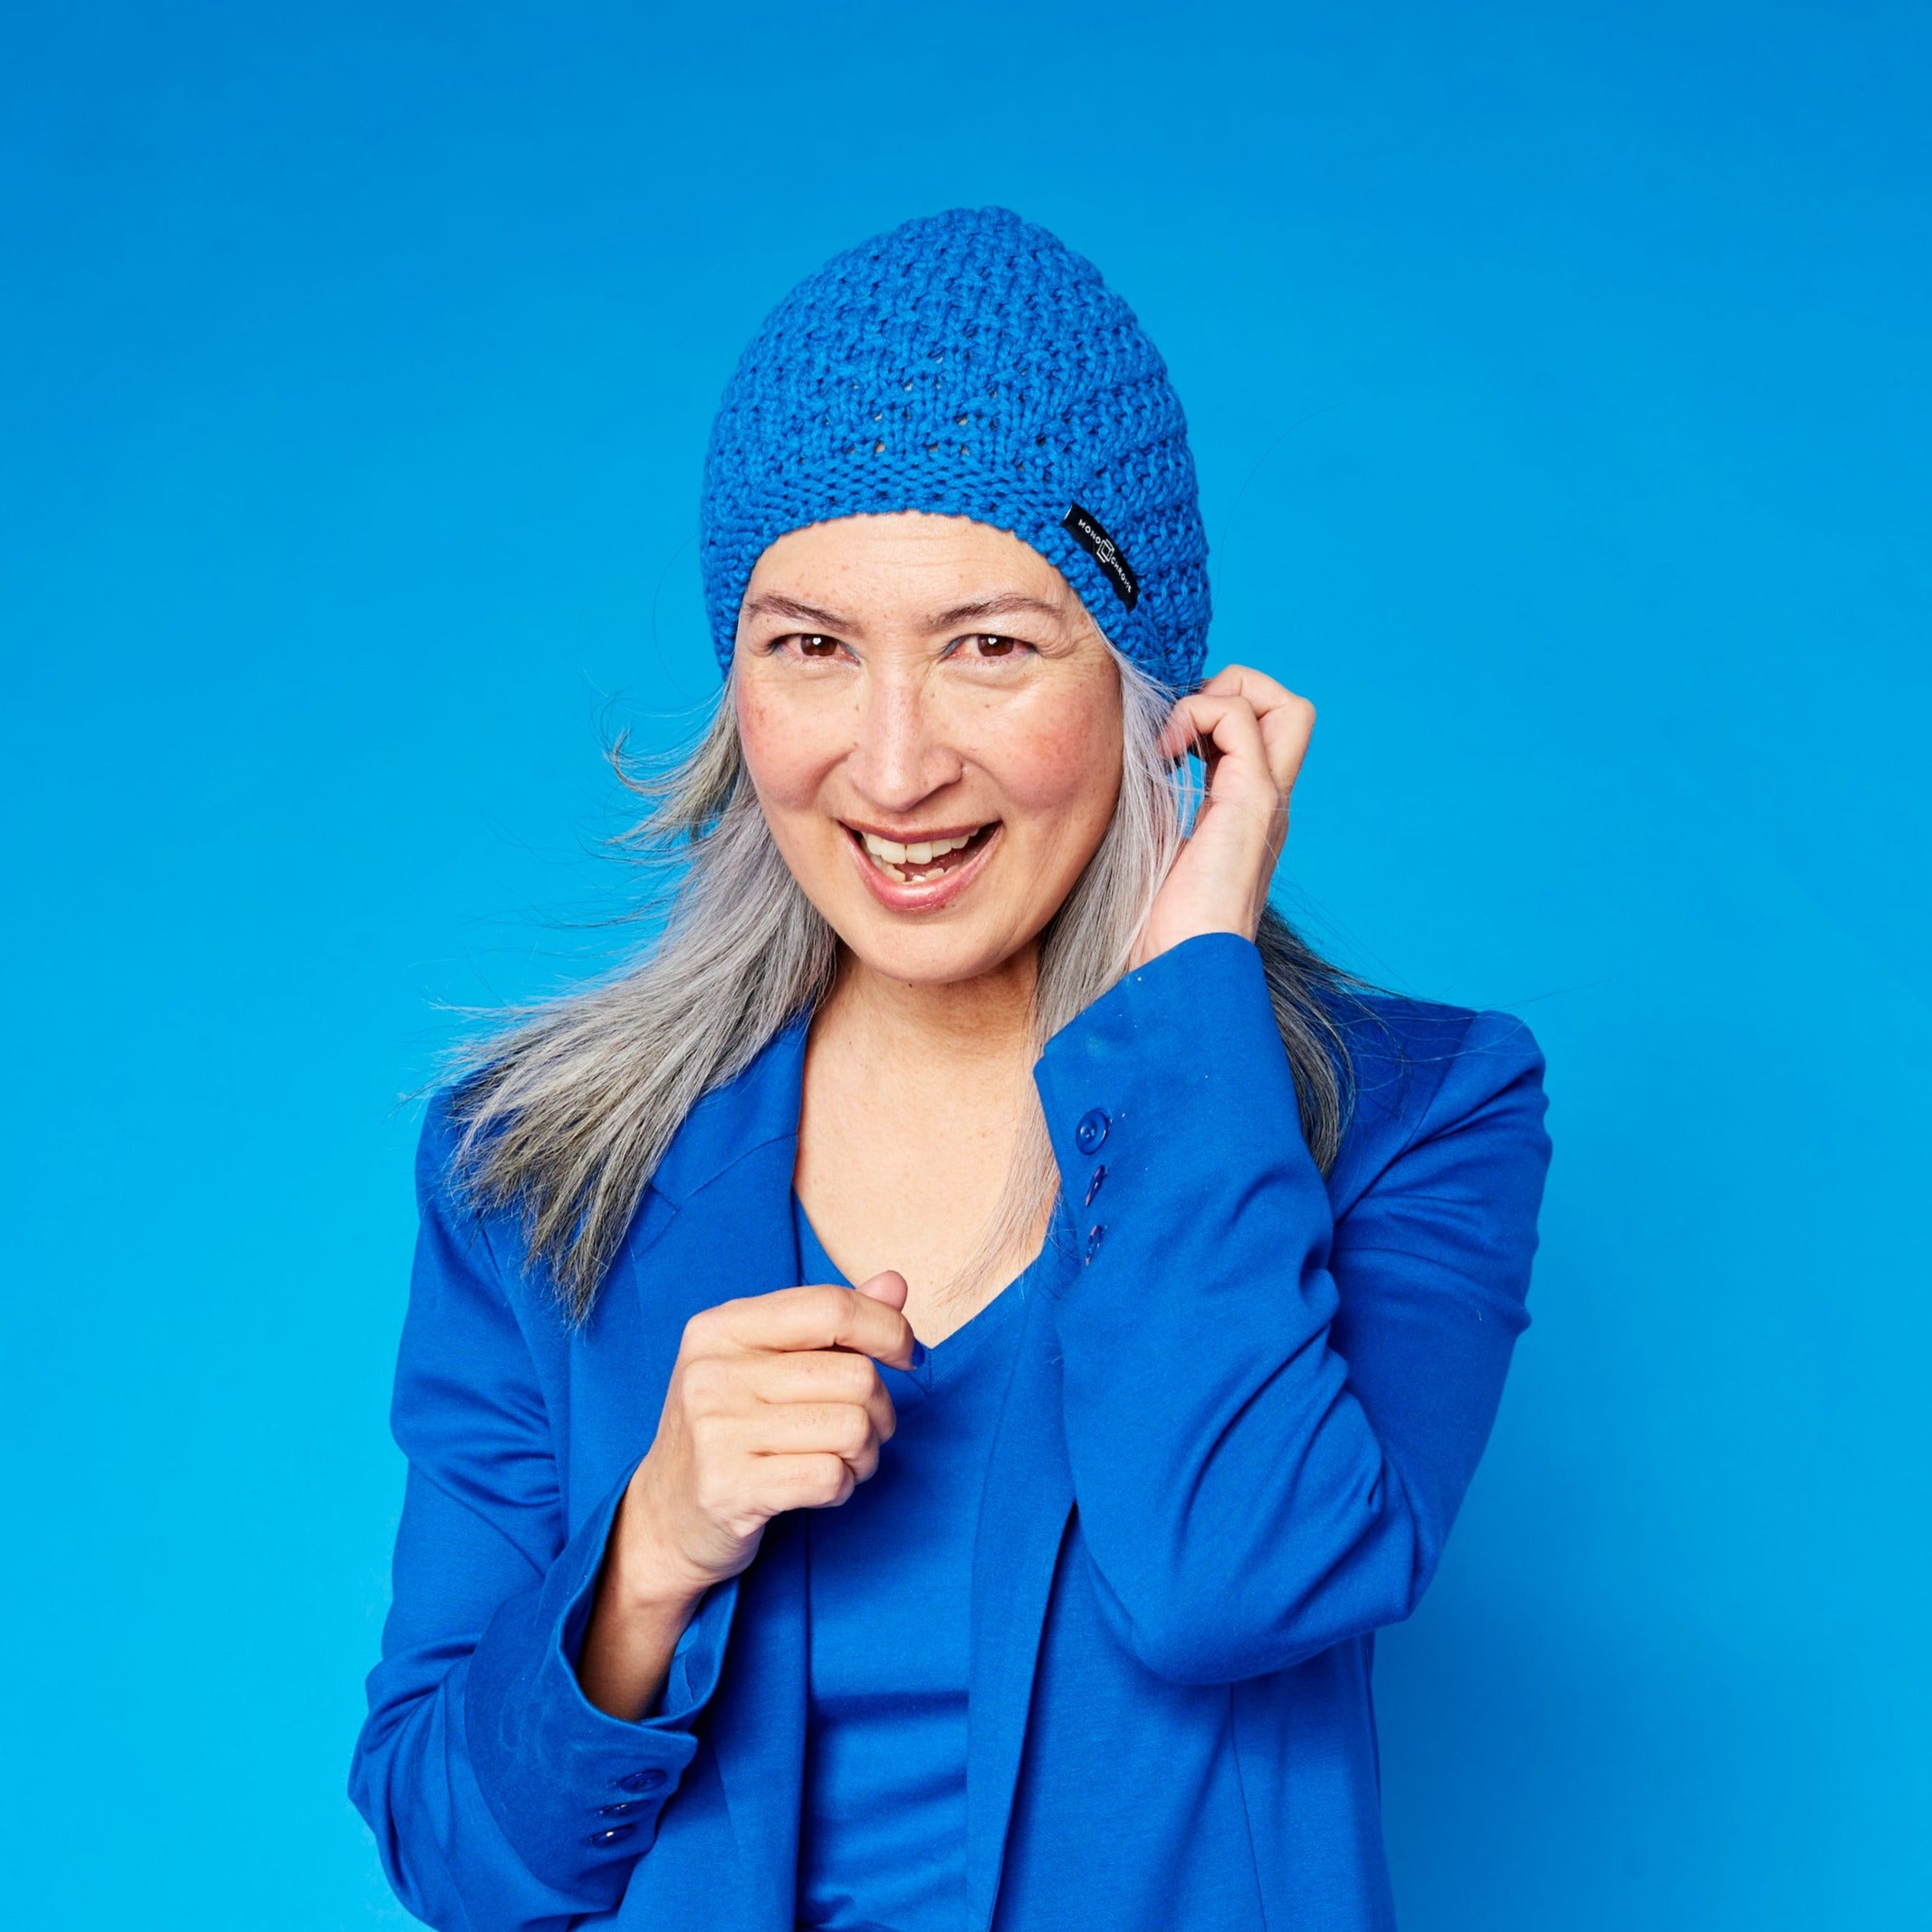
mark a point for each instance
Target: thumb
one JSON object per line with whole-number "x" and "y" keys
{"x": 888, "y": 1286}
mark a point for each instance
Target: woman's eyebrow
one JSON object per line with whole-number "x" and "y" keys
{"x": 1004, "y": 605}
{"x": 772, "y": 604}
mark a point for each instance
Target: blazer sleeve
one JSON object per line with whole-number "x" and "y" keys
{"x": 1271, "y": 1416}
{"x": 502, "y": 1799}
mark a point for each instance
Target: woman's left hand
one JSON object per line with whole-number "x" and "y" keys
{"x": 1252, "y": 734}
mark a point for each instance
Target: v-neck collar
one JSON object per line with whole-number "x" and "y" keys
{"x": 959, "y": 1353}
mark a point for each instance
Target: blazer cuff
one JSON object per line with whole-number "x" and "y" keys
{"x": 1128, "y": 1084}
{"x": 577, "y": 1790}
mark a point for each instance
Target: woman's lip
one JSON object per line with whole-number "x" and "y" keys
{"x": 924, "y": 895}
{"x": 918, "y": 839}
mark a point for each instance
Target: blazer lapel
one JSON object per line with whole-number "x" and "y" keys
{"x": 718, "y": 1224}
{"x": 1024, "y": 1511}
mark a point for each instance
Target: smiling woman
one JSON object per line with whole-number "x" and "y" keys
{"x": 962, "y": 1344}
{"x": 869, "y": 745}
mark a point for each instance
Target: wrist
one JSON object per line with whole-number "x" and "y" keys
{"x": 645, "y": 1577}
{"x": 1153, "y": 944}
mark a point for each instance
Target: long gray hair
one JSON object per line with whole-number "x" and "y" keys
{"x": 565, "y": 1109}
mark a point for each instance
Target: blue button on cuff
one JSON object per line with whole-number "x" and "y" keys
{"x": 1091, "y": 1131}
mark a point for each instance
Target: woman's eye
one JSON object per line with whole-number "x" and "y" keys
{"x": 990, "y": 644}
{"x": 815, "y": 644}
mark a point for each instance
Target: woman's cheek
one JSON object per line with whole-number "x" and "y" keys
{"x": 1067, "y": 766}
{"x": 779, "y": 752}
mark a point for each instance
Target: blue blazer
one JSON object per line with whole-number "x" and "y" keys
{"x": 1232, "y": 1445}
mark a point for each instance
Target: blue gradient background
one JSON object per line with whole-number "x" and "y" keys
{"x": 1559, "y": 384}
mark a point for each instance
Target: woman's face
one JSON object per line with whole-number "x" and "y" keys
{"x": 927, "y": 682}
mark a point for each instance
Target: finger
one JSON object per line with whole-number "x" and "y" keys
{"x": 823, "y": 1314}
{"x": 1286, "y": 719}
{"x": 1191, "y": 725}
{"x": 793, "y": 1376}
{"x": 812, "y": 1428}
{"x": 1243, "y": 681}
{"x": 801, "y": 1375}
{"x": 889, "y": 1286}
{"x": 807, "y": 1482}
{"x": 1227, "y": 735}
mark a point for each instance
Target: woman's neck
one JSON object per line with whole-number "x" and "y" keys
{"x": 915, "y": 1097}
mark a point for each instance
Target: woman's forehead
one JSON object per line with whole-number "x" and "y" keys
{"x": 931, "y": 569}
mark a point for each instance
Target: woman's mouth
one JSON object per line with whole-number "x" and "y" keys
{"x": 924, "y": 873}
{"x": 916, "y": 862}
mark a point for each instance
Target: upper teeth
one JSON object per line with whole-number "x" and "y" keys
{"x": 894, "y": 853}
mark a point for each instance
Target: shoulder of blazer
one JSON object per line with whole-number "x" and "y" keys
{"x": 1401, "y": 1050}
{"x": 728, "y": 1123}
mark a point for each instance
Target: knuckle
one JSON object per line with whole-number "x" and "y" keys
{"x": 715, "y": 1498}
{"x": 829, "y": 1303}
{"x": 829, "y": 1478}
{"x": 701, "y": 1332}
{"x": 745, "y": 1521}
{"x": 704, "y": 1381}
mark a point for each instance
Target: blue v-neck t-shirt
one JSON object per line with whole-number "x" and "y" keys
{"x": 883, "y": 1835}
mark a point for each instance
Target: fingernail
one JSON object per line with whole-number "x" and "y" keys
{"x": 919, "y": 1354}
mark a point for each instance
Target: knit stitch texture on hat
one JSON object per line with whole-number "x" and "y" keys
{"x": 970, "y": 364}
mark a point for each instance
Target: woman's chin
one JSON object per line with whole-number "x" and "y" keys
{"x": 913, "y": 954}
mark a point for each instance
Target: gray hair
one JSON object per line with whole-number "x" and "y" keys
{"x": 564, "y": 1111}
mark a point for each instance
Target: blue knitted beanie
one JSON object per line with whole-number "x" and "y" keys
{"x": 970, "y": 364}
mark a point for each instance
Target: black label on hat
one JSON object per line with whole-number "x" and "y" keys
{"x": 1103, "y": 549}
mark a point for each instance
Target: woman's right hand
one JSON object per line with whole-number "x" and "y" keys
{"x": 773, "y": 1404}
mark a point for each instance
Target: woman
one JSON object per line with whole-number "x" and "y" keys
{"x": 919, "y": 1394}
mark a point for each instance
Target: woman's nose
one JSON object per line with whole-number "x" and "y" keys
{"x": 900, "y": 756}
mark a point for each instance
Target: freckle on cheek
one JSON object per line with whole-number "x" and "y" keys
{"x": 780, "y": 761}
{"x": 1059, "y": 762}
{"x": 756, "y": 725}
